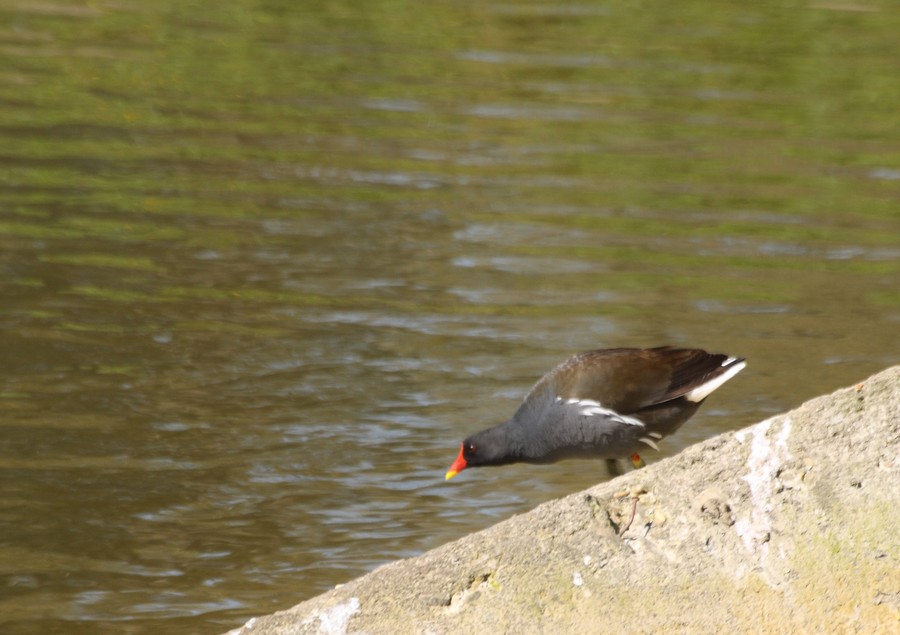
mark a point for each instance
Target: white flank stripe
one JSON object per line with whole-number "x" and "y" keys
{"x": 587, "y": 410}
{"x": 703, "y": 391}
{"x": 590, "y": 407}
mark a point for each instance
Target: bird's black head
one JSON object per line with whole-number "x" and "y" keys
{"x": 488, "y": 447}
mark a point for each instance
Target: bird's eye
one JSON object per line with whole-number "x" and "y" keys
{"x": 471, "y": 449}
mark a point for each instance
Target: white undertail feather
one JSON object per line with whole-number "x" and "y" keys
{"x": 703, "y": 391}
{"x": 649, "y": 442}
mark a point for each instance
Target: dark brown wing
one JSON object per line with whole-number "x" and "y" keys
{"x": 628, "y": 379}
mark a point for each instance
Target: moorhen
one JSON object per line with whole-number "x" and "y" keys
{"x": 603, "y": 404}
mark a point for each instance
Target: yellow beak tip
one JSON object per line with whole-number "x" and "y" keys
{"x": 450, "y": 475}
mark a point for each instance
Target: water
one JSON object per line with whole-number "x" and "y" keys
{"x": 264, "y": 266}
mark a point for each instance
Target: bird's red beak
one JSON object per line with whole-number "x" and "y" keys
{"x": 458, "y": 465}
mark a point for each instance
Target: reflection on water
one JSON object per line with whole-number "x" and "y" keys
{"x": 264, "y": 267}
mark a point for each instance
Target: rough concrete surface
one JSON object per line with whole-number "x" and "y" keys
{"x": 788, "y": 526}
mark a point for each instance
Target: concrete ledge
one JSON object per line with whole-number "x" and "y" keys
{"x": 790, "y": 525}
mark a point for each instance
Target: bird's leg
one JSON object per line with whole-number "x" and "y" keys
{"x": 615, "y": 468}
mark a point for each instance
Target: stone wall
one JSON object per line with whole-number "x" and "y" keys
{"x": 791, "y": 525}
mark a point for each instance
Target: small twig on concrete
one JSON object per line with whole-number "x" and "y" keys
{"x": 630, "y": 520}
